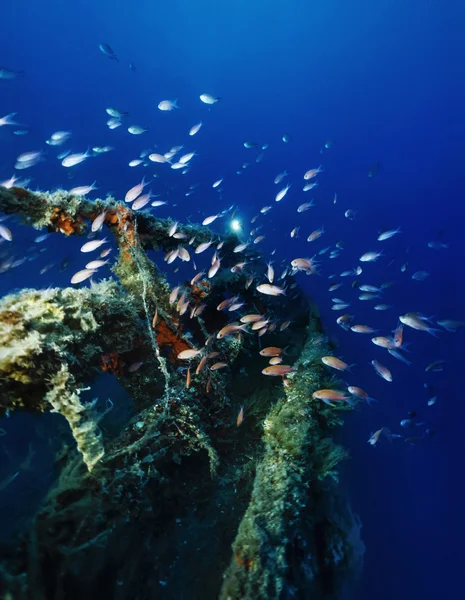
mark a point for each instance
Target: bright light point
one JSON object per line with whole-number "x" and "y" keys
{"x": 235, "y": 225}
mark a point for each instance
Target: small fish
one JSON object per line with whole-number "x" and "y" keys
{"x": 386, "y": 235}
{"x": 83, "y": 190}
{"x": 451, "y": 325}
{"x": 437, "y": 245}
{"x": 93, "y": 245}
{"x": 418, "y": 322}
{"x": 229, "y": 330}
{"x": 75, "y": 159}
{"x": 360, "y": 393}
{"x": 96, "y": 264}
{"x": 315, "y": 234}
{"x": 82, "y": 275}
{"x": 305, "y": 206}
{"x": 382, "y": 371}
{"x": 277, "y": 370}
{"x": 141, "y": 201}
{"x": 436, "y": 366}
{"x": 271, "y": 351}
{"x": 137, "y": 129}
{"x": 270, "y": 290}
{"x": 382, "y": 307}
{"x": 311, "y": 173}
{"x": 209, "y": 99}
{"x": 329, "y": 396}
{"x": 375, "y": 437}
{"x": 340, "y": 306}
{"x": 5, "y": 233}
{"x": 114, "y": 112}
{"x": 240, "y": 416}
{"x": 136, "y": 162}
{"x": 218, "y": 365}
{"x": 195, "y": 128}
{"x": 210, "y": 219}
{"x": 344, "y": 321}
{"x": 280, "y": 195}
{"x": 166, "y": 105}
{"x": 9, "y": 74}
{"x": 420, "y": 275}
{"x": 309, "y": 186}
{"x": 108, "y": 51}
{"x": 335, "y": 363}
{"x": 350, "y": 214}
{"x": 432, "y": 401}
{"x": 280, "y": 177}
{"x": 134, "y": 367}
{"x": 188, "y": 354}
{"x": 370, "y": 256}
{"x": 362, "y": 329}
{"x": 286, "y": 138}
{"x": 8, "y": 120}
{"x": 135, "y": 191}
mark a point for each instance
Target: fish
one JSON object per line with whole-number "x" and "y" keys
{"x": 8, "y": 120}
{"x": 278, "y": 370}
{"x": 335, "y": 363}
{"x": 451, "y": 325}
{"x": 315, "y": 234}
{"x": 371, "y": 256}
{"x": 137, "y": 129}
{"x": 362, "y": 329}
{"x": 135, "y": 366}
{"x": 230, "y": 329}
{"x": 382, "y": 371}
{"x": 9, "y": 74}
{"x": 280, "y": 195}
{"x": 195, "y": 128}
{"x": 240, "y": 416}
{"x": 210, "y": 219}
{"x": 311, "y": 173}
{"x": 418, "y": 322}
{"x": 209, "y": 99}
{"x": 93, "y": 245}
{"x": 82, "y": 275}
{"x": 350, "y": 214}
{"x": 280, "y": 177}
{"x": 166, "y": 105}
{"x": 135, "y": 191}
{"x": 375, "y": 437}
{"x": 158, "y": 158}
{"x": 252, "y": 318}
{"x": 435, "y": 366}
{"x": 271, "y": 351}
{"x": 114, "y": 112}
{"x": 382, "y": 307}
{"x": 83, "y": 190}
{"x": 141, "y": 201}
{"x": 75, "y": 159}
{"x": 5, "y": 233}
{"x": 304, "y": 264}
{"x": 107, "y": 50}
{"x": 218, "y": 365}
{"x": 136, "y": 162}
{"x": 270, "y": 290}
{"x": 96, "y": 264}
{"x": 188, "y": 354}
{"x": 309, "y": 186}
{"x": 305, "y": 206}
{"x": 358, "y": 392}
{"x": 386, "y": 235}
{"x": 420, "y": 275}
{"x": 286, "y": 138}
{"x": 340, "y": 306}
{"x": 329, "y": 396}
{"x": 344, "y": 321}
{"x": 437, "y": 245}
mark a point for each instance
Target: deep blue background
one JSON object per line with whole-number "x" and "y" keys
{"x": 384, "y": 80}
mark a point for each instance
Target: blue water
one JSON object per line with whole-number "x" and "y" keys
{"x": 384, "y": 80}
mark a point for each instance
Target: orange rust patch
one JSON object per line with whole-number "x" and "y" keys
{"x": 167, "y": 338}
{"x": 112, "y": 363}
{"x": 201, "y": 289}
{"x": 64, "y": 223}
{"x": 20, "y": 192}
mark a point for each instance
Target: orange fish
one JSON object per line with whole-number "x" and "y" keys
{"x": 276, "y": 360}
{"x": 278, "y": 370}
{"x": 335, "y": 363}
{"x": 201, "y": 365}
{"x": 155, "y": 319}
{"x": 218, "y": 365}
{"x": 187, "y": 354}
{"x": 229, "y": 329}
{"x": 240, "y": 416}
{"x": 271, "y": 351}
{"x": 188, "y": 378}
{"x": 362, "y": 329}
{"x": 330, "y": 395}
